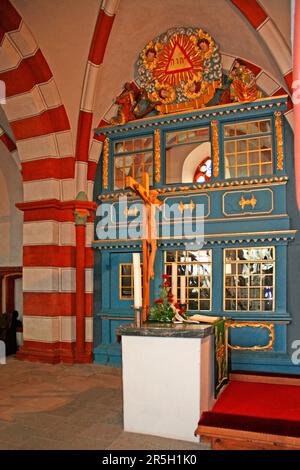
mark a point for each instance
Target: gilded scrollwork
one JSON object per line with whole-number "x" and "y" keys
{"x": 279, "y": 140}
{"x": 216, "y": 149}
{"x": 247, "y": 202}
{"x": 182, "y": 207}
{"x": 157, "y": 155}
{"x": 105, "y": 163}
{"x": 268, "y": 326}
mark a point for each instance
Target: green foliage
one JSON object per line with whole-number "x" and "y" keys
{"x": 163, "y": 309}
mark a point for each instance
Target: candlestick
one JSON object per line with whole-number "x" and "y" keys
{"x": 174, "y": 282}
{"x": 182, "y": 290}
{"x": 137, "y": 280}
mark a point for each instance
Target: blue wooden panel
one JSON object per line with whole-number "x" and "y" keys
{"x": 249, "y": 336}
{"x": 252, "y": 202}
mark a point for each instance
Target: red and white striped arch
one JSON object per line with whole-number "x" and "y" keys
{"x": 11, "y": 146}
{"x": 41, "y": 128}
{"x": 96, "y": 55}
{"x": 35, "y": 112}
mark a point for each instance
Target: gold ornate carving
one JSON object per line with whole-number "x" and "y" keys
{"x": 268, "y": 326}
{"x": 216, "y": 149}
{"x": 105, "y": 163}
{"x": 279, "y": 140}
{"x": 189, "y": 206}
{"x": 247, "y": 202}
{"x": 157, "y": 155}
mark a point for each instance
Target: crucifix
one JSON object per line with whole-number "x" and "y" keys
{"x": 151, "y": 202}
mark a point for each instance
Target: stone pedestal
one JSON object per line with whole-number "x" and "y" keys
{"x": 167, "y": 378}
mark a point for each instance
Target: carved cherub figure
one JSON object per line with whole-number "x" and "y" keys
{"x": 243, "y": 83}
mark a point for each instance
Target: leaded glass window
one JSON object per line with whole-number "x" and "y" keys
{"x": 249, "y": 275}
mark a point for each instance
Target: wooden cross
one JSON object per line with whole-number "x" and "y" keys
{"x": 150, "y": 200}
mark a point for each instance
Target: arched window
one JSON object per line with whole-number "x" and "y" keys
{"x": 203, "y": 171}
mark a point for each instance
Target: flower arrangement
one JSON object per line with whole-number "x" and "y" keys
{"x": 164, "y": 309}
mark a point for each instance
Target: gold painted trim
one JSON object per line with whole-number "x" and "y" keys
{"x": 247, "y": 202}
{"x": 254, "y": 213}
{"x": 105, "y": 163}
{"x": 190, "y": 206}
{"x": 268, "y": 326}
{"x": 274, "y": 181}
{"x": 279, "y": 140}
{"x": 213, "y": 235}
{"x": 216, "y": 148}
{"x": 157, "y": 154}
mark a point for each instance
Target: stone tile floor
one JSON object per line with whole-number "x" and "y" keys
{"x": 68, "y": 407}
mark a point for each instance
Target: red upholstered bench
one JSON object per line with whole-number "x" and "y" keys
{"x": 250, "y": 415}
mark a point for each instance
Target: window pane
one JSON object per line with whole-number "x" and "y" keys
{"x": 253, "y": 289}
{"x": 251, "y": 156}
{"x": 230, "y": 147}
{"x": 204, "y": 305}
{"x": 126, "y": 269}
{"x": 179, "y": 146}
{"x": 181, "y": 137}
{"x": 253, "y": 144}
{"x": 126, "y": 281}
{"x": 253, "y": 128}
{"x": 254, "y": 305}
{"x": 229, "y": 130}
{"x": 242, "y": 171}
{"x": 195, "y": 268}
{"x": 241, "y": 145}
{"x": 241, "y": 129}
{"x": 134, "y": 166}
{"x": 230, "y": 305}
{"x": 131, "y": 145}
{"x": 242, "y": 159}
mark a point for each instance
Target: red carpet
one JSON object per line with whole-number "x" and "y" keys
{"x": 260, "y": 400}
{"x": 256, "y": 407}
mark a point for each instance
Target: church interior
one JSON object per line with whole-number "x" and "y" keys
{"x": 149, "y": 221}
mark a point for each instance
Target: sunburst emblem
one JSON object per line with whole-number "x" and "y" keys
{"x": 179, "y": 61}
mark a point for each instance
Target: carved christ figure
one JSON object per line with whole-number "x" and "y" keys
{"x": 151, "y": 203}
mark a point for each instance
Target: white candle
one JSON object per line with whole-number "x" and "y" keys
{"x": 182, "y": 289}
{"x": 137, "y": 280}
{"x": 174, "y": 282}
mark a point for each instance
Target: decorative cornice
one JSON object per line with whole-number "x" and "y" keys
{"x": 209, "y": 240}
{"x": 219, "y": 185}
{"x": 213, "y": 112}
{"x": 279, "y": 140}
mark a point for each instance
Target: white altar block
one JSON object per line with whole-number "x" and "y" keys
{"x": 167, "y": 384}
